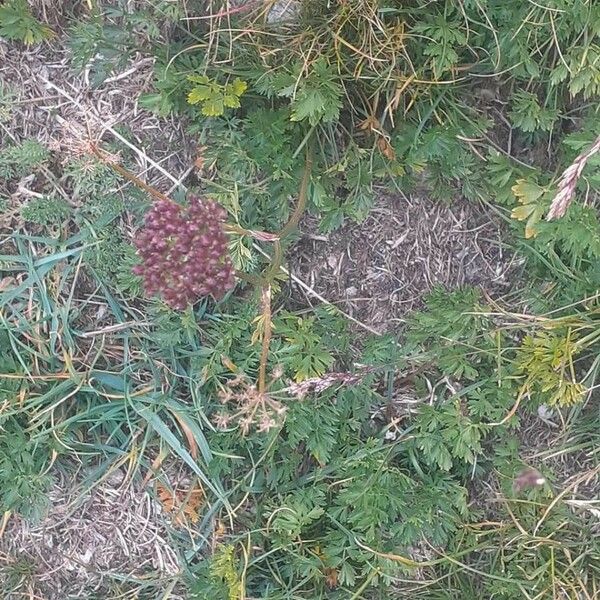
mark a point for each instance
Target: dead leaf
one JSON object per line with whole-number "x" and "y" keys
{"x": 200, "y": 160}
{"x": 189, "y": 435}
{"x": 183, "y": 504}
{"x": 369, "y": 124}
{"x": 331, "y": 577}
{"x": 386, "y": 148}
{"x": 228, "y": 363}
{"x": 155, "y": 466}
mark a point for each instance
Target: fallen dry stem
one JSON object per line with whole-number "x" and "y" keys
{"x": 266, "y": 339}
{"x": 104, "y": 157}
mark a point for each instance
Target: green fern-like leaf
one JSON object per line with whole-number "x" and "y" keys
{"x": 46, "y": 211}
{"x": 17, "y": 23}
{"x": 318, "y": 97}
{"x": 21, "y": 159}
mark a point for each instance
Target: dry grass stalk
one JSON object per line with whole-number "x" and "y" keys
{"x": 568, "y": 183}
{"x": 316, "y": 385}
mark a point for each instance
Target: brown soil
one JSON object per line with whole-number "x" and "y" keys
{"x": 381, "y": 269}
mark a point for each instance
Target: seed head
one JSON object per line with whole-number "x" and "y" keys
{"x": 183, "y": 252}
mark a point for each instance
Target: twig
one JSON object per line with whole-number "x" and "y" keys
{"x": 511, "y": 413}
{"x": 562, "y": 494}
{"x": 182, "y": 178}
{"x": 113, "y": 329}
{"x": 408, "y": 562}
{"x": 266, "y": 339}
{"x": 128, "y": 175}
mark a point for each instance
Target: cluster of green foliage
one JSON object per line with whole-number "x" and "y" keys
{"x": 17, "y": 160}
{"x": 392, "y": 102}
{"x": 342, "y": 497}
{"x": 24, "y": 474}
{"x": 94, "y": 204}
{"x": 391, "y": 92}
{"x": 17, "y": 23}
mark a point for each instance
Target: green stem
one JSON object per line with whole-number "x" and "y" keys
{"x": 273, "y": 269}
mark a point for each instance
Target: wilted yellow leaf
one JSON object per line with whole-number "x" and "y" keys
{"x": 238, "y": 87}
{"x": 529, "y": 194}
{"x": 386, "y": 148}
{"x": 526, "y": 191}
{"x": 520, "y": 213}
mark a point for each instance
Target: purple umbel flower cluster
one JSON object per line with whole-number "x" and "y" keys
{"x": 184, "y": 252}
